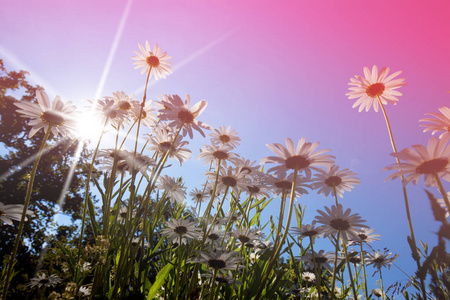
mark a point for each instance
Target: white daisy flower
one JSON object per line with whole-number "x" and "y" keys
{"x": 367, "y": 236}
{"x": 11, "y": 212}
{"x": 248, "y": 167}
{"x": 107, "y": 111}
{"x": 215, "y": 236}
{"x": 211, "y": 154}
{"x": 308, "y": 276}
{"x": 148, "y": 116}
{"x": 257, "y": 190}
{"x": 225, "y": 136}
{"x": 43, "y": 280}
{"x": 379, "y": 260}
{"x": 174, "y": 188}
{"x": 179, "y": 114}
{"x": 181, "y": 230}
{"x": 123, "y": 211}
{"x": 61, "y": 117}
{"x": 335, "y": 221}
{"x": 123, "y": 101}
{"x": 375, "y": 86}
{"x": 303, "y": 158}
{"x": 155, "y": 62}
{"x": 418, "y": 160}
{"x": 228, "y": 178}
{"x": 283, "y": 185}
{"x": 377, "y": 293}
{"x": 326, "y": 181}
{"x": 323, "y": 260}
{"x": 244, "y": 235}
{"x": 219, "y": 260}
{"x": 198, "y": 195}
{"x": 135, "y": 162}
{"x": 163, "y": 140}
{"x": 440, "y": 122}
{"x": 85, "y": 291}
{"x": 308, "y": 231}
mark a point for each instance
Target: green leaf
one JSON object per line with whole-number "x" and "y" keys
{"x": 160, "y": 279}
{"x": 438, "y": 211}
{"x": 423, "y": 270}
{"x": 67, "y": 253}
{"x": 91, "y": 211}
{"x": 413, "y": 247}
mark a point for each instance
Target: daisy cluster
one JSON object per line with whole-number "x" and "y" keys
{"x": 145, "y": 239}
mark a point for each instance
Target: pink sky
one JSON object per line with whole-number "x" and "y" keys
{"x": 269, "y": 69}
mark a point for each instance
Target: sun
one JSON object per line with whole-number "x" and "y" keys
{"x": 88, "y": 128}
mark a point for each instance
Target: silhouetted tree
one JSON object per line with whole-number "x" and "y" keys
{"x": 15, "y": 149}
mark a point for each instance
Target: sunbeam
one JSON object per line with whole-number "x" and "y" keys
{"x": 28, "y": 161}
{"x": 61, "y": 200}
{"x": 34, "y": 77}
{"x": 191, "y": 58}
{"x": 112, "y": 52}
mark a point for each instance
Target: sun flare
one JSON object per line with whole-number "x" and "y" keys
{"x": 88, "y": 127}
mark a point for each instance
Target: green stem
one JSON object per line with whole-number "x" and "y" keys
{"x": 383, "y": 295}
{"x": 364, "y": 270}
{"x": 283, "y": 239}
{"x": 318, "y": 275}
{"x": 335, "y": 264}
{"x": 405, "y": 196}
{"x": 335, "y": 196}
{"x": 355, "y": 295}
{"x": 24, "y": 212}
{"x": 86, "y": 195}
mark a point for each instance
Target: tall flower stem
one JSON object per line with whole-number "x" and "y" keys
{"x": 86, "y": 193}
{"x": 24, "y": 211}
{"x": 333, "y": 281}
{"x": 405, "y": 196}
{"x": 355, "y": 295}
{"x": 280, "y": 219}
{"x": 364, "y": 270}
{"x": 383, "y": 295}
{"x": 316, "y": 270}
{"x": 335, "y": 196}
{"x": 283, "y": 239}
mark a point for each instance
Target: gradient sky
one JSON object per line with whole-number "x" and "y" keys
{"x": 269, "y": 69}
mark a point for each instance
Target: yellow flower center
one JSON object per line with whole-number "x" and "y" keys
{"x": 229, "y": 181}
{"x": 320, "y": 260}
{"x": 333, "y": 181}
{"x": 297, "y": 162}
{"x": 2, "y": 213}
{"x": 153, "y": 61}
{"x": 340, "y": 224}
{"x": 433, "y": 166}
{"x": 164, "y": 146}
{"x": 181, "y": 230}
{"x": 220, "y": 154}
{"x": 213, "y": 237}
{"x": 375, "y": 90}
{"x": 52, "y": 118}
{"x": 224, "y": 138}
{"x": 217, "y": 263}
{"x": 185, "y": 116}
{"x": 124, "y": 105}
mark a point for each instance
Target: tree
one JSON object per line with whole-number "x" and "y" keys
{"x": 50, "y": 178}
